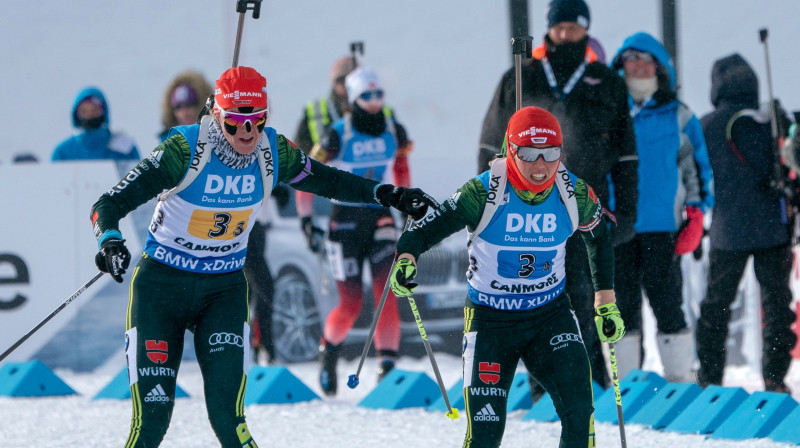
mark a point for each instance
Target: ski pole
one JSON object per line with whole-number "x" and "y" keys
{"x": 356, "y": 48}
{"x": 763, "y": 34}
{"x": 352, "y": 380}
{"x": 617, "y": 395}
{"x": 51, "y": 315}
{"x": 452, "y": 413}
{"x": 520, "y": 46}
{"x": 773, "y": 119}
{"x": 242, "y": 6}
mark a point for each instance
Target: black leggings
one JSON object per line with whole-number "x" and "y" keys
{"x": 649, "y": 261}
{"x": 772, "y": 268}
{"x": 164, "y": 302}
{"x": 262, "y": 288}
{"x": 548, "y": 341}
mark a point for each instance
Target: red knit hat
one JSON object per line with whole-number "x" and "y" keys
{"x": 534, "y": 126}
{"x": 241, "y": 87}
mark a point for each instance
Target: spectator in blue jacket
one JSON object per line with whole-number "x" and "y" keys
{"x": 94, "y": 140}
{"x": 674, "y": 177}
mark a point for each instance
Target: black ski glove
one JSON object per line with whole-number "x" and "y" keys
{"x": 409, "y": 201}
{"x": 623, "y": 232}
{"x": 313, "y": 234}
{"x": 113, "y": 258}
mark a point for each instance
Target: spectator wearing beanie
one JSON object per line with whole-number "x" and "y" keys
{"x": 591, "y": 102}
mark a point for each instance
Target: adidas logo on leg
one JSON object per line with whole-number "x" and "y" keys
{"x": 486, "y": 414}
{"x": 157, "y": 394}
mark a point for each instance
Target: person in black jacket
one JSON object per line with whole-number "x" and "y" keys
{"x": 748, "y": 219}
{"x": 591, "y": 103}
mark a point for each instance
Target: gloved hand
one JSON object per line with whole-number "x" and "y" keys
{"x": 691, "y": 232}
{"x": 610, "y": 327}
{"x": 314, "y": 235}
{"x": 409, "y": 201}
{"x": 113, "y": 258}
{"x": 623, "y": 231}
{"x": 698, "y": 253}
{"x": 400, "y": 280}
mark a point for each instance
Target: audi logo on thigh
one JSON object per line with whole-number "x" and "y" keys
{"x": 226, "y": 338}
{"x": 565, "y": 337}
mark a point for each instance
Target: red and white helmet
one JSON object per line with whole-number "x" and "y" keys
{"x": 533, "y": 126}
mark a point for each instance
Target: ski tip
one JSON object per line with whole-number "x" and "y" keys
{"x": 352, "y": 381}
{"x": 453, "y": 414}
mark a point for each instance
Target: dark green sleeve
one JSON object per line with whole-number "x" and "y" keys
{"x": 306, "y": 174}
{"x": 597, "y": 236}
{"x": 159, "y": 171}
{"x": 463, "y": 209}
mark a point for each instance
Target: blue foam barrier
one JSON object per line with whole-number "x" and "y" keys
{"x": 756, "y": 417}
{"x": 635, "y": 392}
{"x": 275, "y": 385}
{"x": 456, "y": 396}
{"x": 638, "y": 376}
{"x": 667, "y": 404}
{"x": 402, "y": 389}
{"x": 789, "y": 429}
{"x": 31, "y": 379}
{"x": 545, "y": 411}
{"x": 712, "y": 407}
{"x": 519, "y": 395}
{"x": 119, "y": 388}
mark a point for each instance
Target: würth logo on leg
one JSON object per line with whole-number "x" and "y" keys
{"x": 489, "y": 372}
{"x": 156, "y": 351}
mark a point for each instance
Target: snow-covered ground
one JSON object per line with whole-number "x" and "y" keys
{"x": 78, "y": 421}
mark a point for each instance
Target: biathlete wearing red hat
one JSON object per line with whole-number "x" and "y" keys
{"x": 519, "y": 215}
{"x": 216, "y": 174}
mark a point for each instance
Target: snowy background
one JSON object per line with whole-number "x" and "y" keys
{"x": 440, "y": 62}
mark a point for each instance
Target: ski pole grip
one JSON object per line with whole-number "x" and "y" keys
{"x": 522, "y": 45}
{"x": 357, "y": 47}
{"x": 762, "y": 33}
{"x": 243, "y": 6}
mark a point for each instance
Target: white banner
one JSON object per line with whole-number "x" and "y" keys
{"x": 47, "y": 252}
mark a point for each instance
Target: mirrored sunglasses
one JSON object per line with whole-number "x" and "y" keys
{"x": 372, "y": 95}
{"x": 530, "y": 154}
{"x": 633, "y": 56}
{"x": 239, "y": 119}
